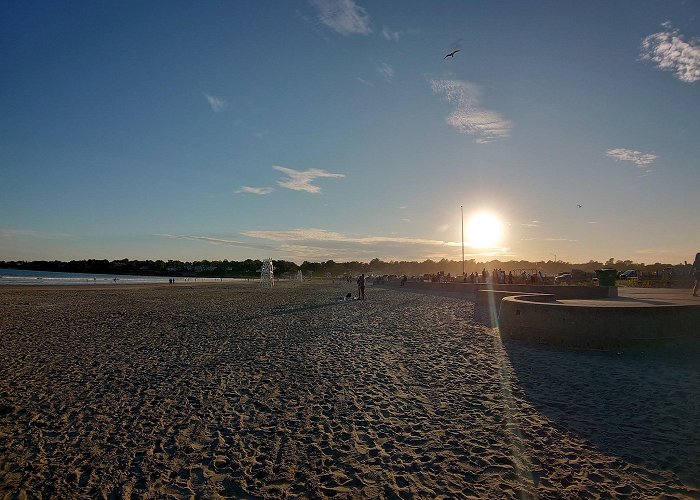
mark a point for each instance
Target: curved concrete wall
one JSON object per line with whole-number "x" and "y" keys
{"x": 596, "y": 327}
{"x": 561, "y": 291}
{"x": 494, "y": 297}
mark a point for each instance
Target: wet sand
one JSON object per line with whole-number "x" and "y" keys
{"x": 227, "y": 390}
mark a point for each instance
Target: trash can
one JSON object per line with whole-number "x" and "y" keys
{"x": 606, "y": 277}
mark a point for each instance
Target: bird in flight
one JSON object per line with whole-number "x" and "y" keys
{"x": 579, "y": 206}
{"x": 451, "y": 54}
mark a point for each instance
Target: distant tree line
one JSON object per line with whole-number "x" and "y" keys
{"x": 249, "y": 268}
{"x": 205, "y": 268}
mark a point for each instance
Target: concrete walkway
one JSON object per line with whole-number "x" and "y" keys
{"x": 641, "y": 297}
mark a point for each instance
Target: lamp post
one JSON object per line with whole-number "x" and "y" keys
{"x": 461, "y": 208}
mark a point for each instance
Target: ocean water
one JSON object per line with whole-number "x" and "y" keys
{"x": 23, "y": 277}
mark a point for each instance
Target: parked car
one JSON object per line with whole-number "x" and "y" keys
{"x": 629, "y": 274}
{"x": 563, "y": 278}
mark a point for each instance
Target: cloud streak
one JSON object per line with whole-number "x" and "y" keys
{"x": 217, "y": 104}
{"x": 254, "y": 190}
{"x": 301, "y": 180}
{"x": 394, "y": 36}
{"x": 343, "y": 16}
{"x": 669, "y": 51}
{"x": 468, "y": 117}
{"x": 386, "y": 72}
{"x": 312, "y": 234}
{"x": 390, "y": 35}
{"x": 28, "y": 233}
{"x": 323, "y": 244}
{"x": 640, "y": 159}
{"x": 217, "y": 241}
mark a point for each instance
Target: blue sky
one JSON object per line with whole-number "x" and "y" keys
{"x": 337, "y": 129}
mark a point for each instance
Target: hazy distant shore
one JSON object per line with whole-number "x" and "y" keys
{"x": 22, "y": 277}
{"x": 229, "y": 390}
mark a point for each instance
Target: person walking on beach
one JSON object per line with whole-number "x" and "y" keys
{"x": 361, "y": 287}
{"x": 695, "y": 273}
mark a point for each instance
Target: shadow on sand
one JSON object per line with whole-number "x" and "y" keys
{"x": 642, "y": 407}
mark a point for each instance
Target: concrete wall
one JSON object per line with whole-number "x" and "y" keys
{"x": 493, "y": 297}
{"x": 596, "y": 327}
{"x": 530, "y": 313}
{"x": 560, "y": 291}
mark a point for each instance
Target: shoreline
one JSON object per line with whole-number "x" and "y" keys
{"x": 117, "y": 286}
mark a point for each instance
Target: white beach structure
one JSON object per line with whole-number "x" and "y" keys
{"x": 267, "y": 274}
{"x": 300, "y": 275}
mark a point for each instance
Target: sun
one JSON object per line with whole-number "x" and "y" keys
{"x": 484, "y": 230}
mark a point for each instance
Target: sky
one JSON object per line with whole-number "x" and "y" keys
{"x": 337, "y": 129}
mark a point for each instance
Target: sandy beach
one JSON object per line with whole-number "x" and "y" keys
{"x": 231, "y": 391}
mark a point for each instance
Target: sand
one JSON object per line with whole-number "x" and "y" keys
{"x": 227, "y": 390}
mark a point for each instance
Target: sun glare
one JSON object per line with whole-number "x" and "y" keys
{"x": 484, "y": 230}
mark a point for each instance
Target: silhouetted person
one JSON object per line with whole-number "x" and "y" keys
{"x": 361, "y": 287}
{"x": 695, "y": 272}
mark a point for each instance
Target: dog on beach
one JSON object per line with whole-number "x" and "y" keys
{"x": 348, "y": 296}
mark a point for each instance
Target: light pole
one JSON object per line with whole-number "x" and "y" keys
{"x": 461, "y": 208}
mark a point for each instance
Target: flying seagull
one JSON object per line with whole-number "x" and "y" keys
{"x": 579, "y": 206}
{"x": 451, "y": 54}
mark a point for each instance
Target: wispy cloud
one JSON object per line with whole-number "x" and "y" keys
{"x": 637, "y": 157}
{"x": 469, "y": 117}
{"x": 254, "y": 190}
{"x": 663, "y": 251}
{"x": 362, "y": 80}
{"x": 318, "y": 235}
{"x": 217, "y": 241}
{"x": 301, "y": 180}
{"x": 217, "y": 104}
{"x": 569, "y": 240}
{"x": 532, "y": 223}
{"x": 296, "y": 235}
{"x": 386, "y": 72}
{"x": 390, "y": 35}
{"x": 670, "y": 52}
{"x": 313, "y": 243}
{"x": 28, "y": 233}
{"x": 394, "y": 36}
{"x": 343, "y": 16}
{"x": 321, "y": 243}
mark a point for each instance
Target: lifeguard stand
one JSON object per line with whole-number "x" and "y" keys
{"x": 267, "y": 274}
